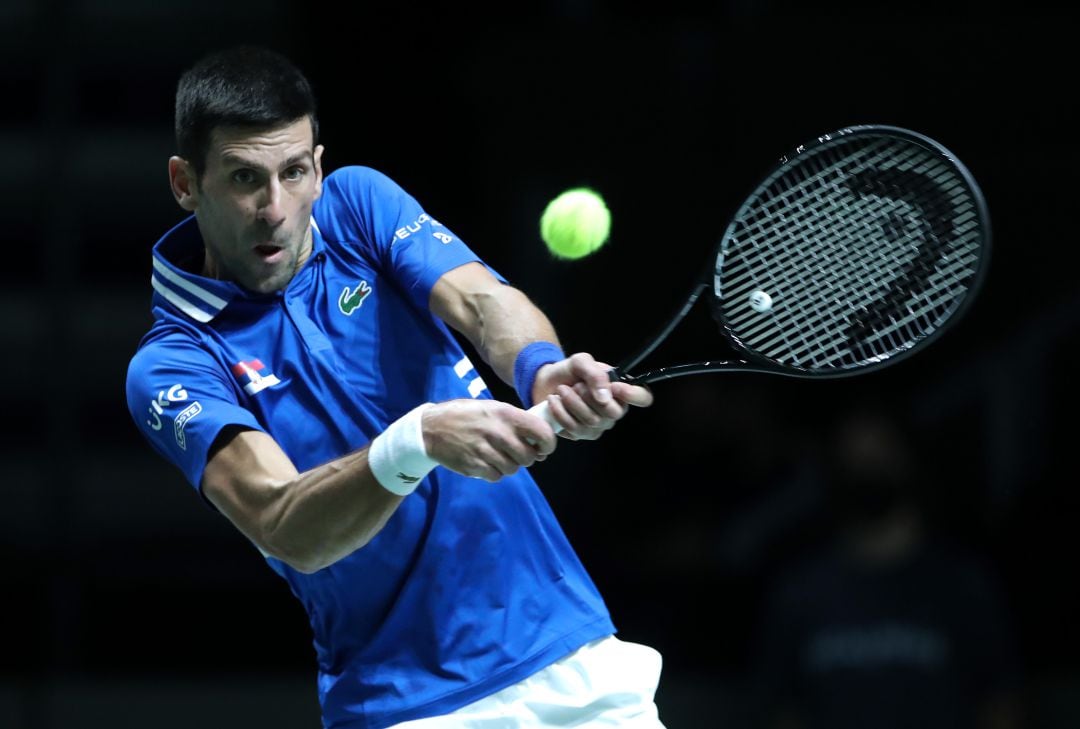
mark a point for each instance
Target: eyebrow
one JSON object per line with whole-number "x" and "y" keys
{"x": 231, "y": 159}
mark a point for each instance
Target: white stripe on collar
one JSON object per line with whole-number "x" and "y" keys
{"x": 179, "y": 302}
{"x": 197, "y": 291}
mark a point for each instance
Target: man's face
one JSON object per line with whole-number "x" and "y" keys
{"x": 253, "y": 203}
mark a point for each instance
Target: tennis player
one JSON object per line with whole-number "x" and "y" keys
{"x": 301, "y": 373}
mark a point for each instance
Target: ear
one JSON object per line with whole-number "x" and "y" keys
{"x": 182, "y": 182}
{"x": 317, "y": 156}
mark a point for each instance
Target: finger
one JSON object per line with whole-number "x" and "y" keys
{"x": 611, "y": 410}
{"x": 579, "y": 409}
{"x": 635, "y": 395}
{"x": 558, "y": 410}
{"x": 517, "y": 448}
{"x": 483, "y": 470}
{"x": 535, "y": 433}
{"x": 494, "y": 456}
{"x": 593, "y": 374}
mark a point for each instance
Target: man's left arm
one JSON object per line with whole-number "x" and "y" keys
{"x": 500, "y": 322}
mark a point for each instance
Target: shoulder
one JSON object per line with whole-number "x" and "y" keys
{"x": 362, "y": 205}
{"x": 171, "y": 347}
{"x": 170, "y": 333}
{"x": 357, "y": 184}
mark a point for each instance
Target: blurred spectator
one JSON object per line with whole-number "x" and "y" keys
{"x": 887, "y": 626}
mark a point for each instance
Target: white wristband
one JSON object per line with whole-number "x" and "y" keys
{"x": 397, "y": 456}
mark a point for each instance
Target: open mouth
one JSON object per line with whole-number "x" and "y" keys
{"x": 268, "y": 252}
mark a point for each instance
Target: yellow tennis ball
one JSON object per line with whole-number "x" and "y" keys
{"x": 575, "y": 223}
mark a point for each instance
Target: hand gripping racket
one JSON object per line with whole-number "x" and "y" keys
{"x": 856, "y": 251}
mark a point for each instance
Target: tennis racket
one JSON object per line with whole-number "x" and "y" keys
{"x": 857, "y": 250}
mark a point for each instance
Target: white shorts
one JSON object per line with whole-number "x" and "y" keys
{"x": 608, "y": 682}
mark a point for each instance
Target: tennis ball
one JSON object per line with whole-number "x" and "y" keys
{"x": 575, "y": 223}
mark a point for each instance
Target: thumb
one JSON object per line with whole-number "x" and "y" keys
{"x": 635, "y": 395}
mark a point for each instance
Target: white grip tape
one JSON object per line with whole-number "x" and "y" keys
{"x": 542, "y": 410}
{"x": 397, "y": 456}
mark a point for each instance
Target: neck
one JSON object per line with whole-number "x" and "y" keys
{"x": 210, "y": 267}
{"x": 305, "y": 248}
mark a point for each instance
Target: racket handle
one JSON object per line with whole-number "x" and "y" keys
{"x": 543, "y": 411}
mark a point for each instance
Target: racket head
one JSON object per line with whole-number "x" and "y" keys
{"x": 855, "y": 251}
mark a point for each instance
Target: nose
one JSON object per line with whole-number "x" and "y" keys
{"x": 271, "y": 210}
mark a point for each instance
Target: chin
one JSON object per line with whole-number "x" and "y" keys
{"x": 267, "y": 285}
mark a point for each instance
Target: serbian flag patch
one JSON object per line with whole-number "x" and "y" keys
{"x": 254, "y": 376}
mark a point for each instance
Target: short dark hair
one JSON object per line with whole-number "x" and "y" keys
{"x": 245, "y": 86}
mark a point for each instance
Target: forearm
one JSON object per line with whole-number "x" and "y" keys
{"x": 501, "y": 322}
{"x": 514, "y": 323}
{"x": 504, "y": 322}
{"x": 312, "y": 519}
{"x": 346, "y": 502}
{"x": 308, "y": 520}
{"x": 327, "y": 513}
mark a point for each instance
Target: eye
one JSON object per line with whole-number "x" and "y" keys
{"x": 295, "y": 174}
{"x": 243, "y": 177}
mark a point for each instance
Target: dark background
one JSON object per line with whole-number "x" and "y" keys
{"x": 128, "y": 603}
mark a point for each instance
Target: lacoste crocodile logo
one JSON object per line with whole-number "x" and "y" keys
{"x": 351, "y": 299}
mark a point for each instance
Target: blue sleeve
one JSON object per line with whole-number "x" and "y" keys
{"x": 180, "y": 400}
{"x": 365, "y": 207}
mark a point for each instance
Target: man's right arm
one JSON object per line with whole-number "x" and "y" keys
{"x": 312, "y": 519}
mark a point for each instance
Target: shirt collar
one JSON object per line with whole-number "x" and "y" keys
{"x": 197, "y": 296}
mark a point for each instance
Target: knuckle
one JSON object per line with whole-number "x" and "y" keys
{"x": 581, "y": 362}
{"x": 497, "y": 440}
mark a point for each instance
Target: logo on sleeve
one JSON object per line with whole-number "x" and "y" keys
{"x": 164, "y": 400}
{"x": 415, "y": 226}
{"x": 181, "y": 420}
{"x": 351, "y": 299}
{"x": 254, "y": 376}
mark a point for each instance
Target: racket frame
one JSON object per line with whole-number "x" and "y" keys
{"x": 754, "y": 362}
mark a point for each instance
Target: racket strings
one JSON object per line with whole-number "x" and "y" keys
{"x": 925, "y": 318}
{"x": 858, "y": 259}
{"x": 933, "y": 311}
{"x": 935, "y": 229}
{"x": 928, "y": 317}
{"x": 778, "y": 223}
{"x": 776, "y": 226}
{"x": 865, "y": 332}
{"x": 894, "y": 234}
{"x": 848, "y": 245}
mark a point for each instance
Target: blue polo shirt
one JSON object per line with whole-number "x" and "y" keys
{"x": 470, "y": 587}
